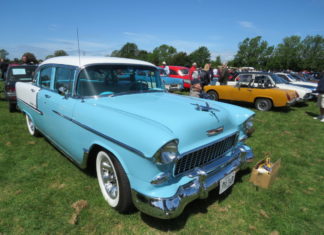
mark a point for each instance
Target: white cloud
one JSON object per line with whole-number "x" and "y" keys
{"x": 246, "y": 24}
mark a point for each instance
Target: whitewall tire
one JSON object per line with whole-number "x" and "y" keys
{"x": 113, "y": 182}
{"x": 31, "y": 126}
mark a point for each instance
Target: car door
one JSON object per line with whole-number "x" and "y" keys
{"x": 58, "y": 105}
{"x": 242, "y": 91}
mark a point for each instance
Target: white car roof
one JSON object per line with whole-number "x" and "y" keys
{"x": 88, "y": 60}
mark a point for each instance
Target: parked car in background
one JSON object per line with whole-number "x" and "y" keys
{"x": 251, "y": 88}
{"x": 292, "y": 80}
{"x": 171, "y": 83}
{"x": 113, "y": 114}
{"x": 16, "y": 73}
{"x": 180, "y": 72}
{"x": 273, "y": 80}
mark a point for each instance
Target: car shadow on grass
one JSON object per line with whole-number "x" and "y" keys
{"x": 311, "y": 114}
{"x": 199, "y": 206}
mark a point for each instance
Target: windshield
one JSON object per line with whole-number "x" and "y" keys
{"x": 22, "y": 74}
{"x": 100, "y": 80}
{"x": 184, "y": 72}
{"x": 278, "y": 80}
{"x": 298, "y": 78}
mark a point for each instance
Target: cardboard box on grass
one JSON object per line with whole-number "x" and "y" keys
{"x": 264, "y": 180}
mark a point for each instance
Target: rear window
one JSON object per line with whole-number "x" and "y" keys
{"x": 21, "y": 74}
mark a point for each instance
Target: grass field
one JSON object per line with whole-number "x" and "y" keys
{"x": 42, "y": 192}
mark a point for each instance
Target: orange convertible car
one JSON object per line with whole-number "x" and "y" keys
{"x": 254, "y": 91}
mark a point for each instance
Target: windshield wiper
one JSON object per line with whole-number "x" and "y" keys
{"x": 135, "y": 92}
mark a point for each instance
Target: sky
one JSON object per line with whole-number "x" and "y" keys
{"x": 43, "y": 26}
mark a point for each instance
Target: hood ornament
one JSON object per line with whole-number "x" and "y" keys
{"x": 207, "y": 108}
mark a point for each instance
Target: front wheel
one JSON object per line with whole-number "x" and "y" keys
{"x": 213, "y": 95}
{"x": 113, "y": 182}
{"x": 31, "y": 127}
{"x": 263, "y": 104}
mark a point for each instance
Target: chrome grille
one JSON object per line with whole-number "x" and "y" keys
{"x": 205, "y": 155}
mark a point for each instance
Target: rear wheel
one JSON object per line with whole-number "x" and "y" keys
{"x": 113, "y": 182}
{"x": 263, "y": 104}
{"x": 31, "y": 127}
{"x": 213, "y": 95}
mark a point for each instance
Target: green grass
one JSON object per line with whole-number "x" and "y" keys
{"x": 38, "y": 186}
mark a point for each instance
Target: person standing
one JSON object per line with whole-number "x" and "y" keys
{"x": 192, "y": 69}
{"x": 166, "y": 68}
{"x": 223, "y": 75}
{"x": 205, "y": 76}
{"x": 3, "y": 68}
{"x": 320, "y": 97}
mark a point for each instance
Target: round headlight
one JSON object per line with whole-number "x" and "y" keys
{"x": 167, "y": 154}
{"x": 249, "y": 127}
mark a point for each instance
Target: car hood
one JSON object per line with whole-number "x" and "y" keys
{"x": 157, "y": 118}
{"x": 300, "y": 90}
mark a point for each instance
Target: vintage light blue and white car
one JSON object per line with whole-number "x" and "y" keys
{"x": 152, "y": 149}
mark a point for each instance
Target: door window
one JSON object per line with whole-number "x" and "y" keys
{"x": 45, "y": 77}
{"x": 64, "y": 79}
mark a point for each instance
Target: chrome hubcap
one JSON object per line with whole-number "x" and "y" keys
{"x": 108, "y": 176}
{"x": 30, "y": 124}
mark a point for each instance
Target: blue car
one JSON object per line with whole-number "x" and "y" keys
{"x": 150, "y": 148}
{"x": 170, "y": 83}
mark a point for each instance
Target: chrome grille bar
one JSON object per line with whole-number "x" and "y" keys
{"x": 205, "y": 155}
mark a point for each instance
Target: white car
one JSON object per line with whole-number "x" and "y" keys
{"x": 289, "y": 78}
{"x": 273, "y": 80}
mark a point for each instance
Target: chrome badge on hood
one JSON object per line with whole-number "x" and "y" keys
{"x": 215, "y": 131}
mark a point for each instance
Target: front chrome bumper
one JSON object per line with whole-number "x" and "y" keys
{"x": 204, "y": 179}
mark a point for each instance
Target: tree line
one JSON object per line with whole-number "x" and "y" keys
{"x": 293, "y": 53}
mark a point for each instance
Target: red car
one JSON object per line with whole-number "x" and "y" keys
{"x": 180, "y": 72}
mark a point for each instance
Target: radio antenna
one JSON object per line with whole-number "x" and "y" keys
{"x": 79, "y": 47}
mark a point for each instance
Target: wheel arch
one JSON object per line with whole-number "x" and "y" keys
{"x": 90, "y": 162}
{"x": 263, "y": 97}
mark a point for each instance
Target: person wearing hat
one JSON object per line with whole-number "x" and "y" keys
{"x": 166, "y": 68}
{"x": 192, "y": 69}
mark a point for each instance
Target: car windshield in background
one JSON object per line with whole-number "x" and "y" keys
{"x": 183, "y": 72}
{"x": 278, "y": 80}
{"x": 162, "y": 72}
{"x": 22, "y": 74}
{"x": 109, "y": 80}
{"x": 298, "y": 78}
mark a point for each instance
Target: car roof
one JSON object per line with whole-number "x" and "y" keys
{"x": 89, "y": 60}
{"x": 262, "y": 73}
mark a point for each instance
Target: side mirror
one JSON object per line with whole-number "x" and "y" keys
{"x": 63, "y": 91}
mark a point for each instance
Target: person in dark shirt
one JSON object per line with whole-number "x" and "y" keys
{"x": 320, "y": 97}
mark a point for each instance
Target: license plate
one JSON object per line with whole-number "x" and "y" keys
{"x": 226, "y": 182}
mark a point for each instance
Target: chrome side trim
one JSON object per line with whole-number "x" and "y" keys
{"x": 101, "y": 134}
{"x": 36, "y": 110}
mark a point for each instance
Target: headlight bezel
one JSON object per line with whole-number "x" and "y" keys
{"x": 167, "y": 154}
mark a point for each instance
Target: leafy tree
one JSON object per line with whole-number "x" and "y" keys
{"x": 217, "y": 62}
{"x": 31, "y": 58}
{"x": 57, "y": 53}
{"x": 129, "y": 50}
{"x": 163, "y": 53}
{"x": 313, "y": 53}
{"x": 201, "y": 56}
{"x": 3, "y": 54}
{"x": 180, "y": 58}
{"x": 253, "y": 52}
{"x": 115, "y": 53}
